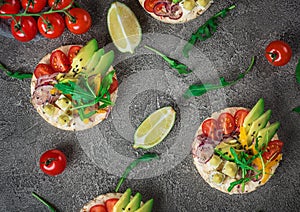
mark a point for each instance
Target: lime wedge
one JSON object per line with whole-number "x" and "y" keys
{"x": 154, "y": 128}
{"x": 124, "y": 28}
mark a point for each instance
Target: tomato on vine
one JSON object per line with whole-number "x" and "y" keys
{"x": 278, "y": 53}
{"x": 9, "y": 7}
{"x": 35, "y": 6}
{"x": 51, "y": 25}
{"x": 59, "y": 4}
{"x": 78, "y": 21}
{"x": 53, "y": 162}
{"x": 24, "y": 28}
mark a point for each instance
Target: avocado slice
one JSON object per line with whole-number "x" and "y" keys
{"x": 103, "y": 65}
{"x": 94, "y": 60}
{"x": 123, "y": 201}
{"x": 257, "y": 125}
{"x": 254, "y": 114}
{"x": 134, "y": 204}
{"x": 266, "y": 134}
{"x": 147, "y": 207}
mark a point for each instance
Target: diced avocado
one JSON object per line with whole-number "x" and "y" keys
{"x": 257, "y": 125}
{"x": 266, "y": 134}
{"x": 147, "y": 207}
{"x": 254, "y": 114}
{"x": 83, "y": 57}
{"x": 103, "y": 65}
{"x": 225, "y": 152}
{"x": 123, "y": 201}
{"x": 63, "y": 103}
{"x": 230, "y": 169}
{"x": 202, "y": 3}
{"x": 49, "y": 109}
{"x": 215, "y": 161}
{"x": 217, "y": 177}
{"x": 189, "y": 4}
{"x": 63, "y": 119}
{"x": 94, "y": 60}
{"x": 134, "y": 204}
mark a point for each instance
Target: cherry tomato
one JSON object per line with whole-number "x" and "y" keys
{"x": 209, "y": 127}
{"x": 35, "y": 6}
{"x": 113, "y": 86}
{"x": 59, "y": 61}
{"x": 24, "y": 28}
{"x": 9, "y": 7}
{"x": 239, "y": 117}
{"x": 98, "y": 208}
{"x": 51, "y": 25}
{"x": 59, "y": 4}
{"x": 278, "y": 53}
{"x": 43, "y": 69}
{"x": 79, "y": 22}
{"x": 226, "y": 123}
{"x": 73, "y": 52}
{"x": 53, "y": 162}
{"x": 110, "y": 203}
{"x": 149, "y": 5}
{"x": 274, "y": 148}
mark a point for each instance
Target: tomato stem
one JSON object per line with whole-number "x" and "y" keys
{"x": 51, "y": 208}
{"x": 49, "y": 161}
{"x": 72, "y": 18}
{"x": 273, "y": 56}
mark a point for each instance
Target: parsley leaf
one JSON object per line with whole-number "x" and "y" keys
{"x": 16, "y": 75}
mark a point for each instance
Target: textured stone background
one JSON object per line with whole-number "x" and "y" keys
{"x": 24, "y": 135}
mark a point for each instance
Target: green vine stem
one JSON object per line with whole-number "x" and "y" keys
{"x": 51, "y": 207}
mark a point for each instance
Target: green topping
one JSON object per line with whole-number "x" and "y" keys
{"x": 123, "y": 201}
{"x": 200, "y": 89}
{"x": 173, "y": 63}
{"x": 176, "y": 1}
{"x": 16, "y": 75}
{"x": 42, "y": 200}
{"x": 144, "y": 158}
{"x": 147, "y": 207}
{"x": 297, "y": 109}
{"x": 205, "y": 31}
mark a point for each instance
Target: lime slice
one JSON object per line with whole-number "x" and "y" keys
{"x": 154, "y": 128}
{"x": 123, "y": 27}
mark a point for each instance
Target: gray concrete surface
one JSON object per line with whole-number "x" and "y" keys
{"x": 175, "y": 184}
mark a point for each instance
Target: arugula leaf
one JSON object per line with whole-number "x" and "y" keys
{"x": 298, "y": 72}
{"x": 16, "y": 75}
{"x": 205, "y": 31}
{"x": 235, "y": 183}
{"x": 200, "y": 89}
{"x": 42, "y": 200}
{"x": 144, "y": 158}
{"x": 297, "y": 109}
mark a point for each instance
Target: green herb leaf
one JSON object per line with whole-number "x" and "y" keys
{"x": 222, "y": 155}
{"x": 144, "y": 158}
{"x": 106, "y": 82}
{"x": 235, "y": 183}
{"x": 297, "y": 109}
{"x": 173, "y": 63}
{"x": 200, "y": 89}
{"x": 205, "y": 31}
{"x": 16, "y": 75}
{"x": 298, "y": 72}
{"x": 42, "y": 200}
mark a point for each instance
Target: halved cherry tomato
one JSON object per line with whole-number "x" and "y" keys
{"x": 24, "y": 28}
{"x": 59, "y": 61}
{"x": 113, "y": 86}
{"x": 278, "y": 53}
{"x": 73, "y": 51}
{"x": 51, "y": 25}
{"x": 78, "y": 21}
{"x": 9, "y": 7}
{"x": 273, "y": 149}
{"x": 110, "y": 203}
{"x": 239, "y": 117}
{"x": 59, "y": 4}
{"x": 98, "y": 208}
{"x": 226, "y": 123}
{"x": 43, "y": 69}
{"x": 149, "y": 5}
{"x": 209, "y": 127}
{"x": 35, "y": 6}
{"x": 53, "y": 162}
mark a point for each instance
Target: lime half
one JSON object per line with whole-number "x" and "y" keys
{"x": 154, "y": 128}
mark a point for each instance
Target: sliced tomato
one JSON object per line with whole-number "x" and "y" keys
{"x": 209, "y": 127}
{"x": 114, "y": 85}
{"x": 73, "y": 52}
{"x": 110, "y": 203}
{"x": 226, "y": 123}
{"x": 98, "y": 208}
{"x": 149, "y": 5}
{"x": 274, "y": 148}
{"x": 43, "y": 69}
{"x": 239, "y": 117}
{"x": 59, "y": 61}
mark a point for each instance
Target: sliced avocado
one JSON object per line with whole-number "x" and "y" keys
{"x": 123, "y": 201}
{"x": 105, "y": 62}
{"x": 83, "y": 57}
{"x": 266, "y": 134}
{"x": 254, "y": 114}
{"x": 94, "y": 60}
{"x": 257, "y": 125}
{"x": 134, "y": 204}
{"x": 147, "y": 207}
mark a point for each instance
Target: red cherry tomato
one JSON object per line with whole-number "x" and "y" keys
{"x": 273, "y": 149}
{"x": 59, "y": 5}
{"x": 226, "y": 123}
{"x": 73, "y": 52}
{"x": 79, "y": 22}
{"x": 209, "y": 127}
{"x": 53, "y": 162}
{"x": 113, "y": 86}
{"x": 239, "y": 117}
{"x": 110, "y": 203}
{"x": 278, "y": 53}
{"x": 9, "y": 7}
{"x": 98, "y": 208}
{"x": 24, "y": 28}
{"x": 59, "y": 61}
{"x": 35, "y": 6}
{"x": 43, "y": 69}
{"x": 51, "y": 25}
{"x": 149, "y": 5}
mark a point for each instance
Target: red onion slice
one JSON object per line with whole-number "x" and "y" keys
{"x": 176, "y": 12}
{"x": 204, "y": 153}
{"x": 162, "y": 9}
{"x": 43, "y": 95}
